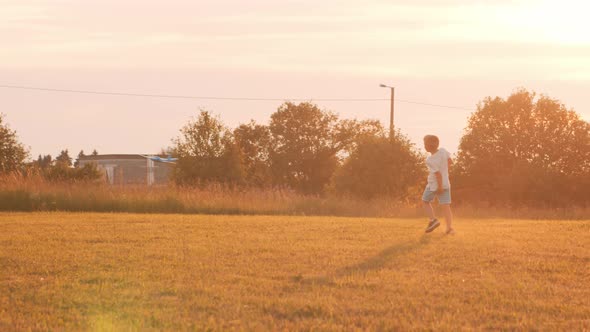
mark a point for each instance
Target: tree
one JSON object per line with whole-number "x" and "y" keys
{"x": 308, "y": 143}
{"x": 12, "y": 152}
{"x": 303, "y": 153}
{"x": 254, "y": 142}
{"x": 60, "y": 172}
{"x": 349, "y": 133}
{"x": 44, "y": 162}
{"x": 525, "y": 150}
{"x": 80, "y": 155}
{"x": 381, "y": 167}
{"x": 94, "y": 153}
{"x": 64, "y": 158}
{"x": 206, "y": 152}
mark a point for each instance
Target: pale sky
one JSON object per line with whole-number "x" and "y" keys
{"x": 453, "y": 52}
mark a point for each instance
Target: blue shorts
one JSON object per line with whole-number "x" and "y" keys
{"x": 443, "y": 198}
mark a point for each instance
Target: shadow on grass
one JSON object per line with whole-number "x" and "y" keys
{"x": 372, "y": 263}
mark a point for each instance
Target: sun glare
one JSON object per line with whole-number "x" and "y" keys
{"x": 562, "y": 22}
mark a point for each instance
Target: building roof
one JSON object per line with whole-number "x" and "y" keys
{"x": 112, "y": 156}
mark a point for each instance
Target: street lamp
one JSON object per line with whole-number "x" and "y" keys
{"x": 391, "y": 114}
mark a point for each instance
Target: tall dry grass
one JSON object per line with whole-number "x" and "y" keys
{"x": 34, "y": 193}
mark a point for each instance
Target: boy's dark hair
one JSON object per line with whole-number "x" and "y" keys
{"x": 432, "y": 139}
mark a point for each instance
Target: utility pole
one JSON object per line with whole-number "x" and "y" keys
{"x": 391, "y": 126}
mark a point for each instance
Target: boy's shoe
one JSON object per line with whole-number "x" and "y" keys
{"x": 432, "y": 225}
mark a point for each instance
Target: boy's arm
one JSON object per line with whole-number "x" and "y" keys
{"x": 439, "y": 187}
{"x": 438, "y": 176}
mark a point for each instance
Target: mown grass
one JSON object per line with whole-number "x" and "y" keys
{"x": 87, "y": 271}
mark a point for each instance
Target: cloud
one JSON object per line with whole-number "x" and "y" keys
{"x": 437, "y": 38}
{"x": 18, "y": 12}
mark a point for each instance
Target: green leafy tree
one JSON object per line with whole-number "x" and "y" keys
{"x": 12, "y": 152}
{"x": 303, "y": 154}
{"x": 525, "y": 150}
{"x": 381, "y": 167}
{"x": 350, "y": 132}
{"x": 206, "y": 152}
{"x": 307, "y": 144}
{"x": 254, "y": 143}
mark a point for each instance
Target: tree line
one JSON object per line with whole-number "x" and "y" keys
{"x": 64, "y": 168}
{"x": 525, "y": 150}
{"x": 13, "y": 156}
{"x": 303, "y": 148}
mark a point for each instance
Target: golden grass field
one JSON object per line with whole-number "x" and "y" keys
{"x": 103, "y": 272}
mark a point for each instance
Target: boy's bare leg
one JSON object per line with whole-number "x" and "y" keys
{"x": 429, "y": 210}
{"x": 446, "y": 210}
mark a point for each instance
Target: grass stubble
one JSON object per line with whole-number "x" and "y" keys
{"x": 92, "y": 271}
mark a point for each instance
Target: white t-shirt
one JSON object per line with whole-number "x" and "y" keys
{"x": 438, "y": 162}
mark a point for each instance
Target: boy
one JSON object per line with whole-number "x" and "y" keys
{"x": 438, "y": 185}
